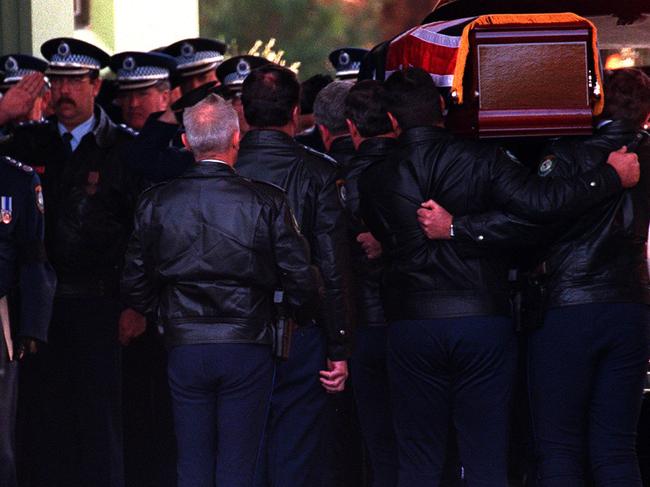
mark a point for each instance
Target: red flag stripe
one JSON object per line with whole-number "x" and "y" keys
{"x": 411, "y": 51}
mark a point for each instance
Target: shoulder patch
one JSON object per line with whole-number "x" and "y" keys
{"x": 40, "y": 202}
{"x": 18, "y": 165}
{"x": 547, "y": 166}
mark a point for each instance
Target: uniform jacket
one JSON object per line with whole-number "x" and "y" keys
{"x": 439, "y": 279}
{"x": 309, "y": 179}
{"x": 208, "y": 250}
{"x": 24, "y": 271}
{"x": 91, "y": 197}
{"x": 366, "y": 274}
{"x": 342, "y": 150}
{"x": 599, "y": 256}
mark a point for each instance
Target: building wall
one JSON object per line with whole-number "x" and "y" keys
{"x": 114, "y": 25}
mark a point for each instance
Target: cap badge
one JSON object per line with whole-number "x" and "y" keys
{"x": 243, "y": 68}
{"x": 344, "y": 59}
{"x": 187, "y": 50}
{"x": 63, "y": 50}
{"x": 11, "y": 64}
{"x": 128, "y": 63}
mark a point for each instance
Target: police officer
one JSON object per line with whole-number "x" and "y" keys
{"x": 321, "y": 347}
{"x": 217, "y": 309}
{"x": 150, "y": 154}
{"x": 143, "y": 84}
{"x": 27, "y": 284}
{"x": 451, "y": 347}
{"x": 196, "y": 60}
{"x": 91, "y": 195}
{"x": 374, "y": 139}
{"x": 329, "y": 115}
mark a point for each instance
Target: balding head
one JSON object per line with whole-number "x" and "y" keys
{"x": 211, "y": 126}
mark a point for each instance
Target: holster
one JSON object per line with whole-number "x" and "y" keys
{"x": 282, "y": 328}
{"x": 528, "y": 298}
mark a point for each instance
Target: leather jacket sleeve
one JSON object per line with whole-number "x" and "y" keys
{"x": 331, "y": 256}
{"x": 301, "y": 281}
{"x": 137, "y": 286}
{"x": 538, "y": 199}
{"x": 499, "y": 230}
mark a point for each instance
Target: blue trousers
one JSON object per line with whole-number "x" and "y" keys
{"x": 220, "y": 398}
{"x": 8, "y": 398}
{"x": 586, "y": 373}
{"x": 294, "y": 455}
{"x": 460, "y": 370}
{"x": 369, "y": 376}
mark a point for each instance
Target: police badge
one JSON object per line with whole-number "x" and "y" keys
{"x": 5, "y": 209}
{"x": 546, "y": 166}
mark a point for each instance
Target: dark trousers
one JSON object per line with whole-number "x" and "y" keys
{"x": 220, "y": 397}
{"x": 77, "y": 424}
{"x": 369, "y": 377}
{"x": 8, "y": 398}
{"x": 587, "y": 366}
{"x": 294, "y": 454}
{"x": 149, "y": 442}
{"x": 460, "y": 370}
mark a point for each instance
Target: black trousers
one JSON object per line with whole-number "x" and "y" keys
{"x": 460, "y": 370}
{"x": 587, "y": 367}
{"x": 8, "y": 396}
{"x": 77, "y": 424}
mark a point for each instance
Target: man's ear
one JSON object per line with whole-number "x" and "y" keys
{"x": 394, "y": 123}
{"x": 352, "y": 128}
{"x": 97, "y": 85}
{"x": 236, "y": 137}
{"x": 295, "y": 116}
{"x": 185, "y": 142}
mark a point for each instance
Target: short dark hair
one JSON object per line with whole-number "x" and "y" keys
{"x": 309, "y": 89}
{"x": 413, "y": 99}
{"x": 627, "y": 96}
{"x": 269, "y": 95}
{"x": 365, "y": 105}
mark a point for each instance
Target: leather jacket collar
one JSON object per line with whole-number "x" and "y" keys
{"x": 422, "y": 134}
{"x": 377, "y": 146}
{"x": 208, "y": 168}
{"x": 267, "y": 137}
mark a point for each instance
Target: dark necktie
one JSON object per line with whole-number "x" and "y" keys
{"x": 67, "y": 143}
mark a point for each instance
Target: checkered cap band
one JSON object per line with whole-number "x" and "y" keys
{"x": 74, "y": 61}
{"x": 142, "y": 73}
{"x": 14, "y": 76}
{"x": 198, "y": 58}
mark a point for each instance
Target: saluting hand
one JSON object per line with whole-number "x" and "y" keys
{"x": 19, "y": 99}
{"x": 333, "y": 379}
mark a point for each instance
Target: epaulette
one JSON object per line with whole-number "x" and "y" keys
{"x": 18, "y": 165}
{"x": 125, "y": 128}
{"x": 329, "y": 159}
{"x": 33, "y": 123}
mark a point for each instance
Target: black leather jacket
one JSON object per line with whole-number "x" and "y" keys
{"x": 309, "y": 178}
{"x": 598, "y": 257}
{"x": 208, "y": 250}
{"x": 90, "y": 199}
{"x": 441, "y": 279}
{"x": 366, "y": 273}
{"x": 342, "y": 150}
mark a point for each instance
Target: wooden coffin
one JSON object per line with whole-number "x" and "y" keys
{"x": 529, "y": 80}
